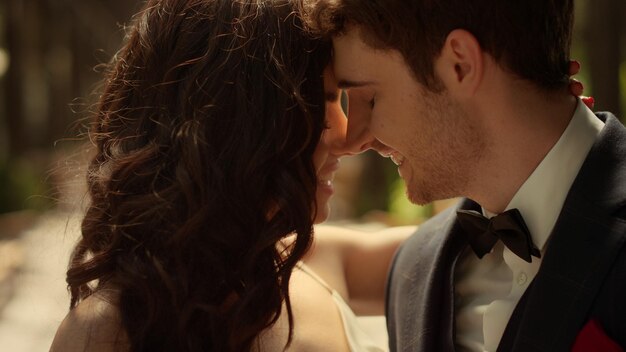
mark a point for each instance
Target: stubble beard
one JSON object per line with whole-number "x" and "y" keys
{"x": 443, "y": 162}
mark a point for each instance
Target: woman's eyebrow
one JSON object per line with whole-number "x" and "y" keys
{"x": 331, "y": 96}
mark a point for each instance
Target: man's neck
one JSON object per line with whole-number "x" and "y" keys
{"x": 520, "y": 131}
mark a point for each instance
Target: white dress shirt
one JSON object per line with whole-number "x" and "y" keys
{"x": 488, "y": 289}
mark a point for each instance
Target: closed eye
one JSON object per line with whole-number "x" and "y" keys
{"x": 331, "y": 97}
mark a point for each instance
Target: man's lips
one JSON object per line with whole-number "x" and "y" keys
{"x": 396, "y": 157}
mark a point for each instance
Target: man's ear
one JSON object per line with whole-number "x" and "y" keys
{"x": 461, "y": 63}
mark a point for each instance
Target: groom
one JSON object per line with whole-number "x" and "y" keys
{"x": 470, "y": 99}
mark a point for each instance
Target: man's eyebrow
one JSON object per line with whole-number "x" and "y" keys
{"x": 347, "y": 84}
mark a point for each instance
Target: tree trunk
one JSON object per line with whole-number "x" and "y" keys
{"x": 603, "y": 37}
{"x": 59, "y": 68}
{"x": 13, "y": 80}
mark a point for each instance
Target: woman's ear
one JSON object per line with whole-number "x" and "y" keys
{"x": 460, "y": 64}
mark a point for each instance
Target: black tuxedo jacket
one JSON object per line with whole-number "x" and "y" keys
{"x": 582, "y": 275}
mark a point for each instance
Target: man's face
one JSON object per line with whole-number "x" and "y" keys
{"x": 428, "y": 135}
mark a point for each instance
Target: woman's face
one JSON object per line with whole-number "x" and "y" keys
{"x": 331, "y": 146}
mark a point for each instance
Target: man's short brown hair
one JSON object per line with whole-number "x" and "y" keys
{"x": 531, "y": 38}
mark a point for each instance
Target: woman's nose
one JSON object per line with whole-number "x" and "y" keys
{"x": 358, "y": 137}
{"x": 340, "y": 143}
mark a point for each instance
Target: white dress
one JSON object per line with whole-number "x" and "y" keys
{"x": 364, "y": 333}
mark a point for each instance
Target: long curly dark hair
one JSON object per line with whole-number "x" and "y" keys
{"x": 204, "y": 135}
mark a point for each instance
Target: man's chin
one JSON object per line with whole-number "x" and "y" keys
{"x": 424, "y": 194}
{"x": 417, "y": 197}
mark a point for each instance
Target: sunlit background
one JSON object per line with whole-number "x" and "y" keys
{"x": 49, "y": 53}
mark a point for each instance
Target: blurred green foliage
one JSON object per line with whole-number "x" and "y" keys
{"x": 402, "y": 211}
{"x": 23, "y": 186}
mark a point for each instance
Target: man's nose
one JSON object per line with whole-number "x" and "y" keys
{"x": 358, "y": 141}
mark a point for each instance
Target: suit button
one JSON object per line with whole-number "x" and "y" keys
{"x": 522, "y": 278}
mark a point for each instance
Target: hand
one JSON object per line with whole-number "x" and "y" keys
{"x": 576, "y": 87}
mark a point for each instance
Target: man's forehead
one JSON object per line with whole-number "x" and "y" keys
{"x": 351, "y": 57}
{"x": 356, "y": 64}
{"x": 349, "y": 40}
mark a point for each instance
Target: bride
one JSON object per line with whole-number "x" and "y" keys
{"x": 216, "y": 137}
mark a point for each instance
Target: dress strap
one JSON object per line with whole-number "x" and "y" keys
{"x": 305, "y": 269}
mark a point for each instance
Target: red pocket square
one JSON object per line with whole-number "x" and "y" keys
{"x": 593, "y": 339}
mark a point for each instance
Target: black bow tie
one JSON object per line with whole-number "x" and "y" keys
{"x": 509, "y": 227}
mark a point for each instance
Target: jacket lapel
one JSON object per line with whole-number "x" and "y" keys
{"x": 425, "y": 319}
{"x": 584, "y": 243}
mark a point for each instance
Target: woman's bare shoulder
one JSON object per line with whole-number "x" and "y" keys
{"x": 93, "y": 325}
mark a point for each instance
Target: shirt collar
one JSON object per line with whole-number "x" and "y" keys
{"x": 542, "y": 195}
